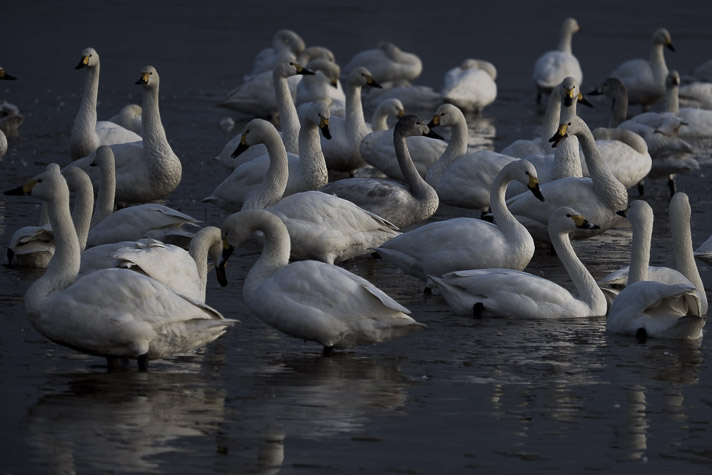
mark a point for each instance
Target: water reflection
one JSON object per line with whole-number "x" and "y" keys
{"x": 101, "y": 422}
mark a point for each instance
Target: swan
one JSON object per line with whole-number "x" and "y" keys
{"x": 667, "y": 308}
{"x": 697, "y": 122}
{"x": 282, "y": 174}
{"x": 323, "y": 85}
{"x": 645, "y": 79}
{"x": 377, "y": 147}
{"x": 553, "y": 66}
{"x": 399, "y": 204}
{"x": 516, "y": 294}
{"x": 696, "y": 94}
{"x": 342, "y": 152}
{"x": 286, "y": 45}
{"x": 33, "y": 246}
{"x": 470, "y": 86}
{"x": 387, "y": 63}
{"x": 114, "y": 313}
{"x": 87, "y": 133}
{"x": 129, "y": 117}
{"x": 312, "y": 300}
{"x": 150, "y": 220}
{"x": 288, "y": 117}
{"x": 704, "y": 251}
{"x": 460, "y": 178}
{"x": 466, "y": 243}
{"x": 685, "y": 271}
{"x": 3, "y": 137}
{"x": 599, "y": 196}
{"x": 327, "y": 228}
{"x": 186, "y": 272}
{"x": 626, "y": 154}
{"x": 567, "y": 93}
{"x": 148, "y": 170}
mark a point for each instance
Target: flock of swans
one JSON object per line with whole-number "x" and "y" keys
{"x": 126, "y": 276}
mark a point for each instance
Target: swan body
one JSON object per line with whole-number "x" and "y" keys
{"x": 470, "y": 86}
{"x": 696, "y": 94}
{"x": 377, "y": 147}
{"x": 312, "y": 300}
{"x": 460, "y": 178}
{"x": 516, "y": 294}
{"x": 599, "y": 196}
{"x": 327, "y": 228}
{"x": 342, "y": 152}
{"x": 645, "y": 79}
{"x": 685, "y": 271}
{"x": 466, "y": 243}
{"x": 114, "y": 313}
{"x": 704, "y": 252}
{"x": 553, "y": 66}
{"x": 665, "y": 309}
{"x": 387, "y": 63}
{"x": 263, "y": 181}
{"x": 697, "y": 122}
{"x": 87, "y": 133}
{"x": 148, "y": 170}
{"x": 626, "y": 154}
{"x": 399, "y": 204}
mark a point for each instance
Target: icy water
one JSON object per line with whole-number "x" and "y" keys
{"x": 486, "y": 396}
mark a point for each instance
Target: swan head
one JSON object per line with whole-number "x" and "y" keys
{"x": 44, "y": 186}
{"x": 525, "y": 173}
{"x": 446, "y": 115}
{"x": 570, "y": 92}
{"x": 287, "y": 69}
{"x": 4, "y": 75}
{"x": 662, "y": 37}
{"x": 566, "y": 220}
{"x": 638, "y": 214}
{"x": 361, "y": 76}
{"x": 89, "y": 59}
{"x": 288, "y": 39}
{"x": 329, "y": 69}
{"x": 574, "y": 126}
{"x": 148, "y": 77}
{"x": 571, "y": 25}
{"x": 612, "y": 88}
{"x": 256, "y": 131}
{"x": 412, "y": 125}
{"x": 103, "y": 157}
{"x": 672, "y": 79}
{"x": 312, "y": 53}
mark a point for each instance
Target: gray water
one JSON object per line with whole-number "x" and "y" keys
{"x": 487, "y": 396}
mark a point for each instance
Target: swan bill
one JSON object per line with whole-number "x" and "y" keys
{"x": 559, "y": 136}
{"x": 83, "y": 63}
{"x": 4, "y": 75}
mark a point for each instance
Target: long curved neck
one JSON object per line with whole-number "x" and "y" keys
{"x": 199, "y": 249}
{"x": 104, "y": 205}
{"x": 567, "y": 161}
{"x": 588, "y": 290}
{"x": 274, "y": 256}
{"x": 657, "y": 60}
{"x": 456, "y": 148}
{"x": 379, "y": 120}
{"x": 312, "y": 165}
{"x": 154, "y": 135}
{"x": 640, "y": 251}
{"x": 551, "y": 115}
{"x": 682, "y": 248}
{"x": 288, "y": 118}
{"x": 506, "y": 222}
{"x": 619, "y": 109}
{"x": 421, "y": 190}
{"x": 82, "y": 211}
{"x": 275, "y": 181}
{"x": 84, "y": 128}
{"x": 355, "y": 123}
{"x": 64, "y": 266}
{"x": 565, "y": 39}
{"x": 604, "y": 181}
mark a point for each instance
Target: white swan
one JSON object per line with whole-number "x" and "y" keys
{"x": 282, "y": 173}
{"x": 312, "y": 300}
{"x": 87, "y": 133}
{"x": 467, "y": 243}
{"x": 114, "y": 313}
{"x": 323, "y": 85}
{"x": 327, "y": 228}
{"x": 685, "y": 271}
{"x": 286, "y": 45}
{"x": 697, "y": 122}
{"x": 644, "y": 79}
{"x": 626, "y": 154}
{"x": 147, "y": 220}
{"x": 288, "y": 117}
{"x": 186, "y": 272}
{"x": 129, "y": 117}
{"x": 460, "y": 178}
{"x": 515, "y": 294}
{"x": 342, "y": 152}
{"x": 400, "y": 204}
{"x": 598, "y": 197}
{"x": 704, "y": 251}
{"x": 148, "y": 170}
{"x": 696, "y": 94}
{"x": 470, "y": 86}
{"x": 553, "y": 66}
{"x": 387, "y": 63}
{"x": 377, "y": 147}
{"x": 670, "y": 308}
{"x": 33, "y": 246}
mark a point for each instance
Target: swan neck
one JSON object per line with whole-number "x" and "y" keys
{"x": 619, "y": 111}
{"x": 586, "y": 286}
{"x": 672, "y": 99}
{"x": 565, "y": 40}
{"x": 82, "y": 212}
{"x": 199, "y": 249}
{"x": 379, "y": 120}
{"x": 83, "y": 138}
{"x": 355, "y": 121}
{"x": 275, "y": 181}
{"x": 456, "y": 148}
{"x": 604, "y": 181}
{"x": 312, "y": 164}
{"x": 154, "y": 135}
{"x": 682, "y": 249}
{"x": 104, "y": 205}
{"x": 506, "y": 222}
{"x": 274, "y": 256}
{"x": 551, "y": 116}
{"x": 288, "y": 118}
{"x": 640, "y": 252}
{"x": 418, "y": 187}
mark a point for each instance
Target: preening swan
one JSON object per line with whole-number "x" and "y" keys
{"x": 467, "y": 243}
{"x": 286, "y": 45}
{"x": 311, "y": 300}
{"x": 667, "y": 308}
{"x": 515, "y": 294}
{"x": 387, "y": 63}
{"x": 644, "y": 79}
{"x": 553, "y": 66}
{"x": 399, "y": 204}
{"x": 148, "y": 170}
{"x": 114, "y": 313}
{"x": 470, "y": 86}
{"x": 263, "y": 181}
{"x": 87, "y": 133}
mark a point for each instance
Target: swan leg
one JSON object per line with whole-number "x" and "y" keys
{"x": 113, "y": 363}
{"x": 477, "y": 310}
{"x": 671, "y": 184}
{"x": 641, "y": 187}
{"x": 10, "y": 257}
{"x": 328, "y": 351}
{"x": 641, "y": 335}
{"x": 142, "y": 362}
